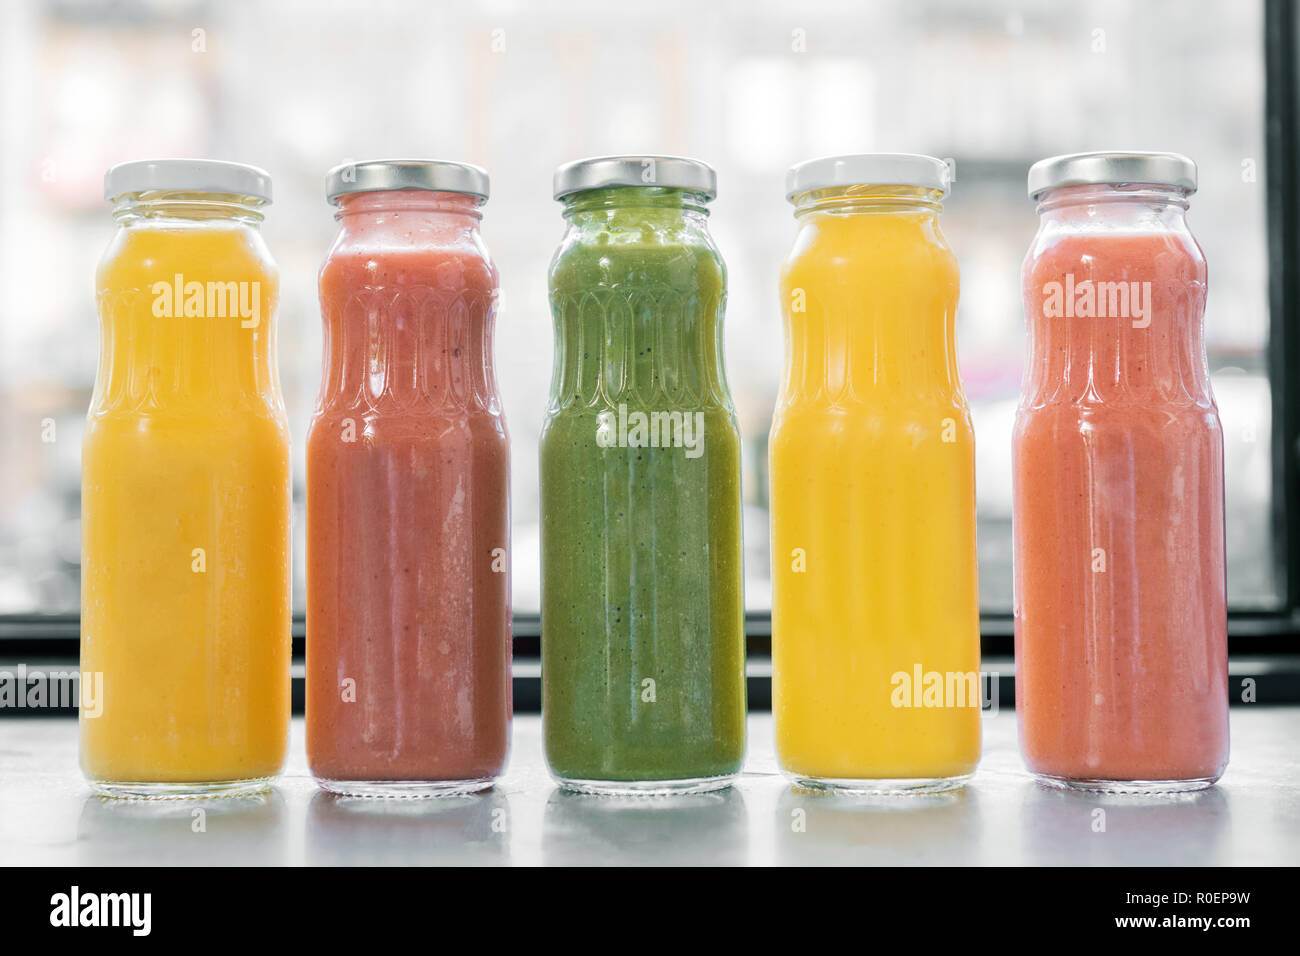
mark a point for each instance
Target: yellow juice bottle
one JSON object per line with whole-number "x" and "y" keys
{"x": 185, "y": 493}
{"x": 875, "y": 616}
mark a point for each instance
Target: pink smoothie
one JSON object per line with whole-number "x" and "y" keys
{"x": 408, "y": 625}
{"x": 1121, "y": 651}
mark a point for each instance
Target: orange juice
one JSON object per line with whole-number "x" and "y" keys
{"x": 186, "y": 492}
{"x": 875, "y": 619}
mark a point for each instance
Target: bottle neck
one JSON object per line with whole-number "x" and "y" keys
{"x": 1110, "y": 199}
{"x": 421, "y": 201}
{"x": 877, "y": 199}
{"x": 188, "y": 206}
{"x": 600, "y": 205}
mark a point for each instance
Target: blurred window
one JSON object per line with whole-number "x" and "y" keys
{"x": 518, "y": 88}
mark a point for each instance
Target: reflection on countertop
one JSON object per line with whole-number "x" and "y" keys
{"x": 48, "y": 816}
{"x": 586, "y": 830}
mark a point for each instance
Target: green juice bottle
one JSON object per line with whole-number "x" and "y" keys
{"x": 643, "y": 654}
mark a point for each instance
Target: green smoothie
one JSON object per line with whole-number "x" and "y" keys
{"x": 642, "y": 607}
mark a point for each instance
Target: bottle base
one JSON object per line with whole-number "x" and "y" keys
{"x": 647, "y": 788}
{"x": 901, "y": 786}
{"x": 209, "y": 790}
{"x": 405, "y": 789}
{"x": 1086, "y": 785}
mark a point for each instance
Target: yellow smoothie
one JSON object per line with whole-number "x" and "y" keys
{"x": 875, "y": 620}
{"x": 186, "y": 509}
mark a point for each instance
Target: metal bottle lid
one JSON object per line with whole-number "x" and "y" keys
{"x": 434, "y": 175}
{"x": 1112, "y": 168}
{"x": 601, "y": 172}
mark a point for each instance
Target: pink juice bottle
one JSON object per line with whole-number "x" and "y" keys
{"x": 408, "y": 512}
{"x": 1120, "y": 585}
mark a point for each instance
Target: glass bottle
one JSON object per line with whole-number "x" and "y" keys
{"x": 408, "y": 502}
{"x": 643, "y": 654}
{"x": 875, "y": 611}
{"x": 185, "y": 492}
{"x": 1120, "y": 593}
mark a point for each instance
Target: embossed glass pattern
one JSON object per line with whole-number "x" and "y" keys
{"x": 642, "y": 610}
{"x": 186, "y": 506}
{"x": 1120, "y": 592}
{"x": 408, "y": 584}
{"x": 873, "y": 499}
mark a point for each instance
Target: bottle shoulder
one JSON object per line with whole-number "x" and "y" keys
{"x": 848, "y": 246}
{"x": 366, "y": 263}
{"x": 1105, "y": 246}
{"x": 143, "y": 253}
{"x": 628, "y": 256}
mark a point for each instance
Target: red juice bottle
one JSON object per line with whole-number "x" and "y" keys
{"x": 408, "y": 513}
{"x": 1120, "y": 585}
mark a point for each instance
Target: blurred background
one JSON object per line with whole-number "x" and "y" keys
{"x": 751, "y": 86}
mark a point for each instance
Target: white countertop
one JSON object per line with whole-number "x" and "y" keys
{"x": 49, "y": 816}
